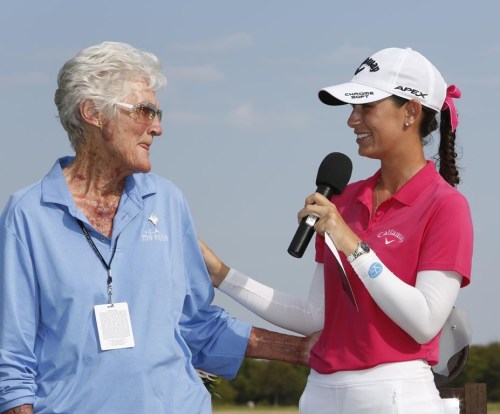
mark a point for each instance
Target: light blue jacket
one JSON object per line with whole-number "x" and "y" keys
{"x": 50, "y": 280}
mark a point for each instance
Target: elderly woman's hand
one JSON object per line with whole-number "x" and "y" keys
{"x": 310, "y": 341}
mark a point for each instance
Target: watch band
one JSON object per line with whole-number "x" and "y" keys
{"x": 362, "y": 248}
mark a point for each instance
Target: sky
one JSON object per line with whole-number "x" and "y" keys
{"x": 244, "y": 131}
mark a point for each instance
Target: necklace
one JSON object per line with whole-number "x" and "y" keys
{"x": 375, "y": 190}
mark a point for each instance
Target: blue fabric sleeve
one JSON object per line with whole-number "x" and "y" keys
{"x": 18, "y": 321}
{"x": 217, "y": 341}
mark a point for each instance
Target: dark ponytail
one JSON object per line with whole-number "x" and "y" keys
{"x": 446, "y": 157}
{"x": 447, "y": 154}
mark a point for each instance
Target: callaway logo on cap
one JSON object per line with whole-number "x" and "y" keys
{"x": 393, "y": 71}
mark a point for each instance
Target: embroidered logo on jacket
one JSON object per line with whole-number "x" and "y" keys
{"x": 391, "y": 236}
{"x": 153, "y": 235}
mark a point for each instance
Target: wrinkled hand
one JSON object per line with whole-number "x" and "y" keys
{"x": 310, "y": 342}
{"x": 276, "y": 346}
{"x": 215, "y": 266}
{"x": 330, "y": 222}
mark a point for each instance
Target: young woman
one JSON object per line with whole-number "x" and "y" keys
{"x": 405, "y": 241}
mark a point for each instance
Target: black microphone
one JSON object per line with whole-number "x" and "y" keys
{"x": 333, "y": 175}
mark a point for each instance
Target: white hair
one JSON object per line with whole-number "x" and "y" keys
{"x": 103, "y": 73}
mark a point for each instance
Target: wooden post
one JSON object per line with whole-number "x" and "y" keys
{"x": 475, "y": 399}
{"x": 472, "y": 397}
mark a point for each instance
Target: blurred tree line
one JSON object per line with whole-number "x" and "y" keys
{"x": 262, "y": 382}
{"x": 278, "y": 383}
{"x": 483, "y": 365}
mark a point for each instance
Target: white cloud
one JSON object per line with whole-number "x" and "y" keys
{"x": 346, "y": 53}
{"x": 494, "y": 50}
{"x": 203, "y": 73}
{"x": 245, "y": 116}
{"x": 227, "y": 43}
{"x": 186, "y": 118}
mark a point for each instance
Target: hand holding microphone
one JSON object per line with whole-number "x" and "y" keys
{"x": 333, "y": 175}
{"x": 329, "y": 222}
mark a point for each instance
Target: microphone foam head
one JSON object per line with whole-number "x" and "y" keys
{"x": 335, "y": 172}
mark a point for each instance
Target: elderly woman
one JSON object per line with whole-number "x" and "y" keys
{"x": 104, "y": 295}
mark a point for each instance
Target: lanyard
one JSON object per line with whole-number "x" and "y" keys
{"x": 99, "y": 255}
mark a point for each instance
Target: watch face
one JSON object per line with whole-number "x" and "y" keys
{"x": 364, "y": 247}
{"x": 361, "y": 249}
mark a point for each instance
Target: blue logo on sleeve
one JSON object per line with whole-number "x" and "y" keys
{"x": 375, "y": 270}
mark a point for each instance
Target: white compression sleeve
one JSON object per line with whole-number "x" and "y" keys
{"x": 279, "y": 308}
{"x": 419, "y": 310}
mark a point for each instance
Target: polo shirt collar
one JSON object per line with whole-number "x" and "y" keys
{"x": 55, "y": 189}
{"x": 417, "y": 184}
{"x": 365, "y": 197}
{"x": 406, "y": 194}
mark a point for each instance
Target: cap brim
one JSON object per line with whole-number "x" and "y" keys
{"x": 350, "y": 93}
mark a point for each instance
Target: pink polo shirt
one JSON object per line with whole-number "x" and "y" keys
{"x": 426, "y": 225}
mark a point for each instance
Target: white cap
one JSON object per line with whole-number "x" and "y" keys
{"x": 393, "y": 71}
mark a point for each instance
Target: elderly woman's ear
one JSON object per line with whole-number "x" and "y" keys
{"x": 90, "y": 114}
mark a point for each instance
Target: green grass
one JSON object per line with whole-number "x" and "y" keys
{"x": 493, "y": 408}
{"x": 256, "y": 410}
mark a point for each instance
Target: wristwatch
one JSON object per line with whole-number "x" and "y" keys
{"x": 361, "y": 249}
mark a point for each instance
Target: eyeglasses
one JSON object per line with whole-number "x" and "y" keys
{"x": 145, "y": 112}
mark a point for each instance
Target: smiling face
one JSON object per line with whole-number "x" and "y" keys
{"x": 128, "y": 136}
{"x": 380, "y": 128}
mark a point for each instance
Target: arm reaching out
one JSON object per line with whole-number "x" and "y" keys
{"x": 279, "y": 308}
{"x": 287, "y": 311}
{"x": 264, "y": 344}
{"x": 215, "y": 266}
{"x": 419, "y": 310}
